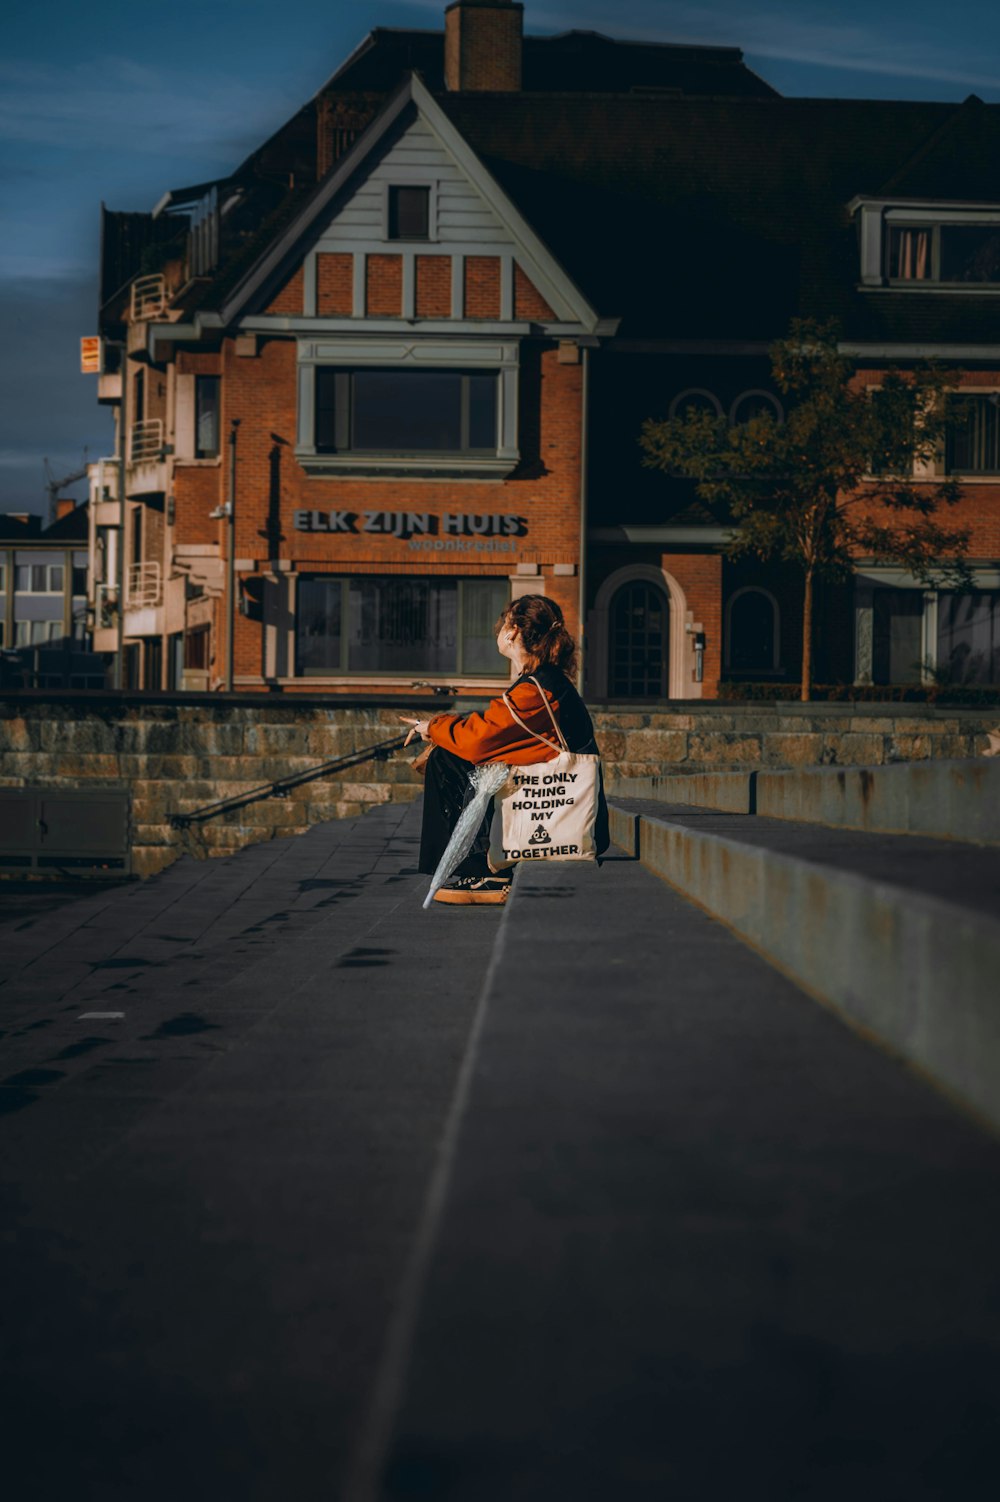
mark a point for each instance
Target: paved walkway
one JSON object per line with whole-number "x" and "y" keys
{"x": 575, "y": 1200}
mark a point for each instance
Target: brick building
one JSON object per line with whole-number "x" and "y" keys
{"x": 393, "y": 370}
{"x": 43, "y": 601}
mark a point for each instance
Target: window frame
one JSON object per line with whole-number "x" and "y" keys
{"x": 344, "y": 410}
{"x": 394, "y": 188}
{"x": 344, "y": 670}
{"x": 934, "y": 229}
{"x": 200, "y": 385}
{"x": 964, "y": 393}
{"x": 49, "y": 589}
{"x": 499, "y": 357}
{"x": 877, "y": 217}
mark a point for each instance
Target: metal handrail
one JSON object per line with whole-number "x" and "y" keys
{"x": 381, "y": 751}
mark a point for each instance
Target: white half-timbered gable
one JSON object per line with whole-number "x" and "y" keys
{"x": 410, "y": 257}
{"x": 342, "y": 260}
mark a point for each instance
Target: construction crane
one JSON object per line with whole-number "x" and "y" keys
{"x": 53, "y": 486}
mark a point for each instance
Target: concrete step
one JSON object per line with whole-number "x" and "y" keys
{"x": 955, "y": 800}
{"x": 688, "y": 1237}
{"x": 900, "y": 934}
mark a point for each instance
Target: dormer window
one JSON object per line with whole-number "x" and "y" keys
{"x": 409, "y": 213}
{"x": 929, "y": 247}
{"x": 955, "y": 253}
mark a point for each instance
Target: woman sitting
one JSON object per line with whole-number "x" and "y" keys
{"x": 531, "y": 633}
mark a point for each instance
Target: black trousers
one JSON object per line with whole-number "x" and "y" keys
{"x": 446, "y": 791}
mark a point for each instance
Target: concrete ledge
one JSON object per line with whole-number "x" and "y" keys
{"x": 729, "y": 791}
{"x": 957, "y": 800}
{"x": 949, "y": 800}
{"x": 919, "y": 973}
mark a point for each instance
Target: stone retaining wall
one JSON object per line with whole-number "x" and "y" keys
{"x": 177, "y": 754}
{"x": 727, "y": 737}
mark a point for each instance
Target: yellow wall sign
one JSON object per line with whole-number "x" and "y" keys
{"x": 90, "y": 355}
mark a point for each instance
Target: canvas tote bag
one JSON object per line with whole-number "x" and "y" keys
{"x": 546, "y": 811}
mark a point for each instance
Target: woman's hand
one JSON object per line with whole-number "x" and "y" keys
{"x": 418, "y": 729}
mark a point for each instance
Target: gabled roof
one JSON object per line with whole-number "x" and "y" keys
{"x": 960, "y": 159}
{"x": 545, "y": 271}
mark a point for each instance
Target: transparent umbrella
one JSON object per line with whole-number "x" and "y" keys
{"x": 485, "y": 780}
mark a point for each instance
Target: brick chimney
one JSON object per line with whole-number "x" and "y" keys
{"x": 482, "y": 45}
{"x": 64, "y": 505}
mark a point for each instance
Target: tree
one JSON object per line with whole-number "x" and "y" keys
{"x": 838, "y": 480}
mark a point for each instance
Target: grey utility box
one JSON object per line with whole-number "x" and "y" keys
{"x": 65, "y": 831}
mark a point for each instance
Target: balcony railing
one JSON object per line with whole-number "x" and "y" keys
{"x": 143, "y": 587}
{"x": 146, "y": 441}
{"x": 149, "y": 297}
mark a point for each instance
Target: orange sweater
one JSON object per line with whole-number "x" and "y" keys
{"x": 494, "y": 735}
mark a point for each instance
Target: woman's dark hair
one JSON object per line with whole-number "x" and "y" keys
{"x": 539, "y": 623}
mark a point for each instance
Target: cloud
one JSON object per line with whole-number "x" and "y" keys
{"x": 131, "y": 107}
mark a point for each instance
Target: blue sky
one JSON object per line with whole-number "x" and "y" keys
{"x": 119, "y": 101}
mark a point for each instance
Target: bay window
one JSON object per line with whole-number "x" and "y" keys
{"x": 405, "y": 411}
{"x": 432, "y": 408}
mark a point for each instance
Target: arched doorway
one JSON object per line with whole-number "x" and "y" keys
{"x": 639, "y": 642}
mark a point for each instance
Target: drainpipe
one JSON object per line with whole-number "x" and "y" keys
{"x": 122, "y": 510}
{"x": 584, "y": 425}
{"x": 231, "y": 561}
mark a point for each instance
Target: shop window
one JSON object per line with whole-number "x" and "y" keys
{"x": 206, "y": 417}
{"x": 968, "y": 640}
{"x": 752, "y": 644}
{"x": 973, "y": 446}
{"x": 409, "y": 213}
{"x": 897, "y": 645}
{"x": 406, "y": 411}
{"x": 369, "y": 624}
{"x": 639, "y": 641}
